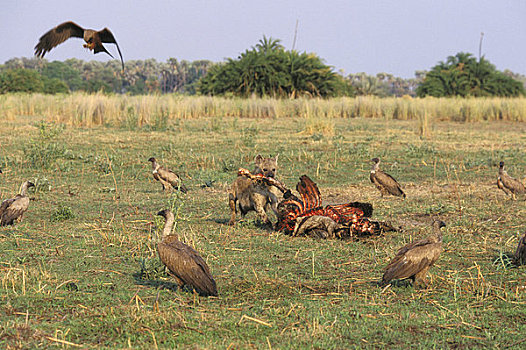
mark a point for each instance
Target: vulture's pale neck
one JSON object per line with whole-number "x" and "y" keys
{"x": 437, "y": 233}
{"x": 169, "y": 224}
{"x": 23, "y": 188}
{"x": 502, "y": 171}
{"x": 375, "y": 168}
{"x": 155, "y": 165}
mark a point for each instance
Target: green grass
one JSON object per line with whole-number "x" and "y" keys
{"x": 91, "y": 276}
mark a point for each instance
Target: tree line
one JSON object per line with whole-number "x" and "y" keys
{"x": 266, "y": 69}
{"x": 139, "y": 77}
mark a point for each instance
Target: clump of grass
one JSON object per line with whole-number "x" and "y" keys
{"x": 319, "y": 126}
{"x": 42, "y": 184}
{"x": 423, "y": 126}
{"x": 503, "y": 261}
{"x": 43, "y": 150}
{"x": 151, "y": 268}
{"x": 437, "y": 209}
{"x": 62, "y": 213}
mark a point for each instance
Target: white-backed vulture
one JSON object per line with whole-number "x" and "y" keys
{"x": 13, "y": 209}
{"x": 384, "y": 182}
{"x": 520, "y": 253}
{"x": 166, "y": 177}
{"x": 414, "y": 259}
{"x": 66, "y": 30}
{"x": 185, "y": 264}
{"x": 509, "y": 185}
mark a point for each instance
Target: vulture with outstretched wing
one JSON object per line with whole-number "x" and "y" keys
{"x": 509, "y": 185}
{"x": 383, "y": 181}
{"x": 166, "y": 177}
{"x": 66, "y": 30}
{"x": 185, "y": 264}
{"x": 13, "y": 209}
{"x": 414, "y": 259}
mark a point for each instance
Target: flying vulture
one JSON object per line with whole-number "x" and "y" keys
{"x": 383, "y": 181}
{"x": 168, "y": 178}
{"x": 509, "y": 185}
{"x": 185, "y": 264}
{"x": 66, "y": 30}
{"x": 520, "y": 253}
{"x": 414, "y": 259}
{"x": 13, "y": 209}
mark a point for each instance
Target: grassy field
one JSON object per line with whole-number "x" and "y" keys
{"x": 82, "y": 271}
{"x": 155, "y": 111}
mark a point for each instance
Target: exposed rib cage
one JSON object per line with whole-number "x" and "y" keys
{"x": 349, "y": 219}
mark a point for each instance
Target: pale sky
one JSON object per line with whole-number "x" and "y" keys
{"x": 397, "y": 37}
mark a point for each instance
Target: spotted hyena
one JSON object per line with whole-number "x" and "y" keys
{"x": 258, "y": 197}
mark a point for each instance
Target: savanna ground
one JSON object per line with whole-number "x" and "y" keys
{"x": 82, "y": 268}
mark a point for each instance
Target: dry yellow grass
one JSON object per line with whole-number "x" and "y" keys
{"x": 98, "y": 109}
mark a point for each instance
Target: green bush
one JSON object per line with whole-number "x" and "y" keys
{"x": 28, "y": 80}
{"x": 20, "y": 80}
{"x": 269, "y": 70}
{"x": 62, "y": 213}
{"x": 462, "y": 75}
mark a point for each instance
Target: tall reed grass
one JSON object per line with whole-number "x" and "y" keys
{"x": 99, "y": 109}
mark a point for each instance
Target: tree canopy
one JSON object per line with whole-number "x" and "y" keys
{"x": 463, "y": 75}
{"x": 140, "y": 77}
{"x": 266, "y": 69}
{"x": 269, "y": 70}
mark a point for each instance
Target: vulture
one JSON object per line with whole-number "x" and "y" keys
{"x": 384, "y": 182}
{"x": 509, "y": 185}
{"x": 66, "y": 30}
{"x": 13, "y": 209}
{"x": 414, "y": 259}
{"x": 168, "y": 178}
{"x": 520, "y": 253}
{"x": 184, "y": 263}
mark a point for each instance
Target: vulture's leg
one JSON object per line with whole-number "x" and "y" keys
{"x": 233, "y": 208}
{"x": 178, "y": 281}
{"x": 420, "y": 277}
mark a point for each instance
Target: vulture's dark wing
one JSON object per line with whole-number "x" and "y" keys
{"x": 172, "y": 178}
{"x": 5, "y": 204}
{"x": 185, "y": 263}
{"x": 408, "y": 247}
{"x": 389, "y": 183}
{"x": 12, "y": 209}
{"x": 520, "y": 253}
{"x": 412, "y": 261}
{"x": 501, "y": 186}
{"x": 56, "y": 36}
{"x": 513, "y": 185}
{"x": 106, "y": 36}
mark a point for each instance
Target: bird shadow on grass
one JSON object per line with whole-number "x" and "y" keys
{"x": 401, "y": 284}
{"x": 151, "y": 270}
{"x": 247, "y": 223}
{"x": 219, "y": 221}
{"x": 142, "y": 280}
